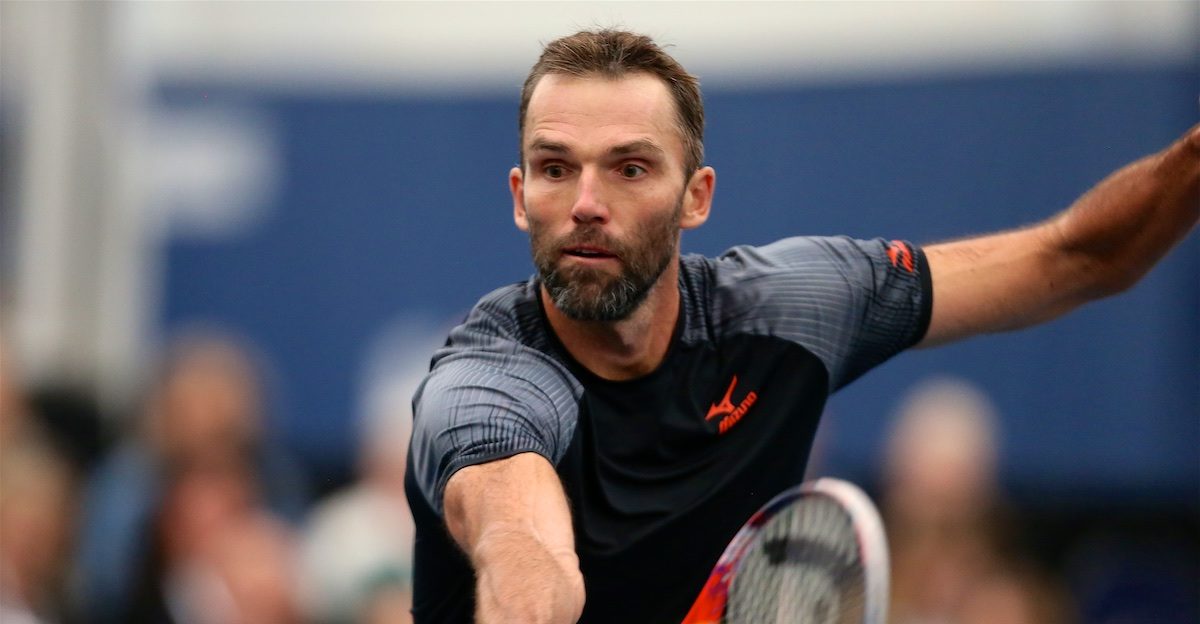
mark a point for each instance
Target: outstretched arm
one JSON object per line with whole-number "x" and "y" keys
{"x": 511, "y": 518}
{"x": 1103, "y": 244}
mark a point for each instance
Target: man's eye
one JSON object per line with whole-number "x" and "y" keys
{"x": 632, "y": 171}
{"x": 555, "y": 171}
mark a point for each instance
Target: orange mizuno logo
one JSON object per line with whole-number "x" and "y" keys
{"x": 900, "y": 255}
{"x": 726, "y": 408}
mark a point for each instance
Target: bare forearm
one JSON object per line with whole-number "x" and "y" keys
{"x": 1120, "y": 228}
{"x": 520, "y": 579}
{"x": 512, "y": 519}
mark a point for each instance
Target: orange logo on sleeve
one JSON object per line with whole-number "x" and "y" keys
{"x": 726, "y": 408}
{"x": 901, "y": 255}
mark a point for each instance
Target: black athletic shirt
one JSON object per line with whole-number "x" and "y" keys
{"x": 662, "y": 470}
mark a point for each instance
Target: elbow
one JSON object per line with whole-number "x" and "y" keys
{"x": 1101, "y": 266}
{"x": 1118, "y": 284}
{"x": 1107, "y": 279}
{"x": 1089, "y": 277}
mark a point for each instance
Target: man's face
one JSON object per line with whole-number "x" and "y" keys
{"x": 602, "y": 191}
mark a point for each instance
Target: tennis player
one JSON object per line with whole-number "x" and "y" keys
{"x": 588, "y": 440}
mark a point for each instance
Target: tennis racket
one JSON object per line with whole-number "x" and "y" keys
{"x": 815, "y": 554}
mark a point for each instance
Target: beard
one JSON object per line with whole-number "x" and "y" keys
{"x": 585, "y": 293}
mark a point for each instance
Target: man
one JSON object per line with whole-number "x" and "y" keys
{"x": 587, "y": 442}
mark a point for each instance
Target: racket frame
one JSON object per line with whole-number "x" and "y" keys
{"x": 709, "y": 607}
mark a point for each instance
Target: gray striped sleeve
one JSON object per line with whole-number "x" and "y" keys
{"x": 485, "y": 402}
{"x": 853, "y": 303}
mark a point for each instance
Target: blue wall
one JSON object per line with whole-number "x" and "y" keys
{"x": 394, "y": 205}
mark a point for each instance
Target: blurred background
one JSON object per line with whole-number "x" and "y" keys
{"x": 231, "y": 234}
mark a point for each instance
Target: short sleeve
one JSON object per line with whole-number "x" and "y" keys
{"x": 853, "y": 303}
{"x": 479, "y": 404}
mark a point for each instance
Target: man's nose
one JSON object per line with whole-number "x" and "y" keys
{"x": 590, "y": 205}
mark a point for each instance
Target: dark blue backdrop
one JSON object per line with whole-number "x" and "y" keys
{"x": 394, "y": 205}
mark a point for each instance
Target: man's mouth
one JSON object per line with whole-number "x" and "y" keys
{"x": 588, "y": 252}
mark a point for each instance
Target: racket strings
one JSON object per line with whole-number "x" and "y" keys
{"x": 803, "y": 567}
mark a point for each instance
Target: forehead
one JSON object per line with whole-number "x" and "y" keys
{"x": 597, "y": 109}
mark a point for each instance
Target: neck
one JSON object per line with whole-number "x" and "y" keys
{"x": 625, "y": 349}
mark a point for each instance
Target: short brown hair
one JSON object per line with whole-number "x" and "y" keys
{"x": 613, "y": 54}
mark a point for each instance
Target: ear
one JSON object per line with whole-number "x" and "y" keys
{"x": 697, "y": 198}
{"x": 516, "y": 185}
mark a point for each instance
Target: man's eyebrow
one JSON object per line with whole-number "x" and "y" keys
{"x": 624, "y": 149}
{"x": 640, "y": 145}
{"x": 543, "y": 145}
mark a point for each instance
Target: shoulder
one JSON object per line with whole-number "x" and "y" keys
{"x": 814, "y": 263}
{"x": 801, "y": 271}
{"x": 504, "y": 337}
{"x": 851, "y": 302}
{"x": 789, "y": 254}
{"x": 507, "y": 313}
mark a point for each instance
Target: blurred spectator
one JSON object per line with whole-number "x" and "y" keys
{"x": 200, "y": 448}
{"x": 953, "y": 560}
{"x": 357, "y": 555}
{"x": 37, "y": 497}
{"x": 216, "y": 556}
